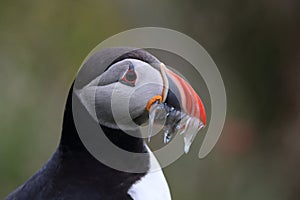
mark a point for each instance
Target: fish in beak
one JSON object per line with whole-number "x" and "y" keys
{"x": 180, "y": 109}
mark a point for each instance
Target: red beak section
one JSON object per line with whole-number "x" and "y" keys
{"x": 190, "y": 101}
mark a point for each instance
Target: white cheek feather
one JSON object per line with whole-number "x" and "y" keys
{"x": 153, "y": 186}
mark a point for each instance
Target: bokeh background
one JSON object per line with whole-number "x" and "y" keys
{"x": 255, "y": 44}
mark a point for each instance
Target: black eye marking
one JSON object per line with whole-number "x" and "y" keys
{"x": 129, "y": 77}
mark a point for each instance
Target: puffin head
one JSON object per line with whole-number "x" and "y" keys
{"x": 123, "y": 88}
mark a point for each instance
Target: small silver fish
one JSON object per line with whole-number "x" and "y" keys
{"x": 174, "y": 121}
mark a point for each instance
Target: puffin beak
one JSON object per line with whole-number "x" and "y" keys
{"x": 180, "y": 106}
{"x": 182, "y": 95}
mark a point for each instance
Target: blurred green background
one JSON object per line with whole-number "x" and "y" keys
{"x": 255, "y": 44}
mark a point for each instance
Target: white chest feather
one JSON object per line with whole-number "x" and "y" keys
{"x": 153, "y": 186}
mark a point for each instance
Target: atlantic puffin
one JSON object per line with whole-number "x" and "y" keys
{"x": 73, "y": 173}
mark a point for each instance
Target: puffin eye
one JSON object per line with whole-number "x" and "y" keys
{"x": 129, "y": 78}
